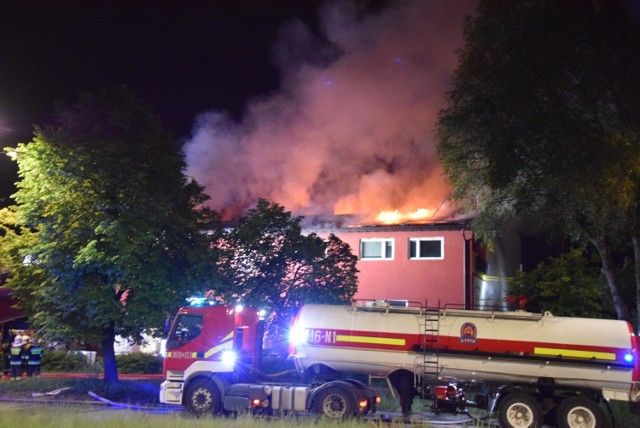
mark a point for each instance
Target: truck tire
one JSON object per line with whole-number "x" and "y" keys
{"x": 202, "y": 397}
{"x": 519, "y": 410}
{"x": 579, "y": 412}
{"x": 335, "y": 403}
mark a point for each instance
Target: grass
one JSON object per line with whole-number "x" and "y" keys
{"x": 72, "y": 417}
{"x": 125, "y": 391}
{"x": 145, "y": 393}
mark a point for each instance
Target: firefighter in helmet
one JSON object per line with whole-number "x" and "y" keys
{"x": 16, "y": 354}
{"x": 34, "y": 357}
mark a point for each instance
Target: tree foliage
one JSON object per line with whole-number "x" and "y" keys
{"x": 111, "y": 239}
{"x": 543, "y": 122}
{"x": 568, "y": 285}
{"x": 269, "y": 264}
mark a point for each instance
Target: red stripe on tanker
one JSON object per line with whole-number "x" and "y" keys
{"x": 464, "y": 343}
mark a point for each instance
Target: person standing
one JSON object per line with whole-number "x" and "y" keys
{"x": 34, "y": 358}
{"x": 16, "y": 358}
{"x": 6, "y": 356}
{"x": 4, "y": 353}
{"x": 26, "y": 344}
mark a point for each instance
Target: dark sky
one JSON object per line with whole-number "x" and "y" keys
{"x": 270, "y": 96}
{"x": 181, "y": 57}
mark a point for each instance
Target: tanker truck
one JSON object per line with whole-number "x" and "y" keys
{"x": 523, "y": 367}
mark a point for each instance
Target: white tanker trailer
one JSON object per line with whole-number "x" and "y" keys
{"x": 530, "y": 367}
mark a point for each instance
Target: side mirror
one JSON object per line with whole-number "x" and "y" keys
{"x": 167, "y": 325}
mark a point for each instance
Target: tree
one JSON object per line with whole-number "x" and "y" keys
{"x": 114, "y": 240}
{"x": 543, "y": 122}
{"x": 271, "y": 265}
{"x": 568, "y": 285}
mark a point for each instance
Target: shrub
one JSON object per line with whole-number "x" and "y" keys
{"x": 64, "y": 361}
{"x": 139, "y": 363}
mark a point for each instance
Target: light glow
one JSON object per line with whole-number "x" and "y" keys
{"x": 228, "y": 357}
{"x": 196, "y": 301}
{"x": 298, "y": 335}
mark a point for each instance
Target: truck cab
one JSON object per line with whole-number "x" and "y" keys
{"x": 212, "y": 365}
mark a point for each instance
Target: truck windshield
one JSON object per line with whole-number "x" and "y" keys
{"x": 186, "y": 328}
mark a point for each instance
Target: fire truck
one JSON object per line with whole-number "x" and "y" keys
{"x": 525, "y": 368}
{"x": 212, "y": 365}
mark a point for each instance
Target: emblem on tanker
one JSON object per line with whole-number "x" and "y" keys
{"x": 468, "y": 333}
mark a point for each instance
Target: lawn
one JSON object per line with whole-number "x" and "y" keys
{"x": 136, "y": 393}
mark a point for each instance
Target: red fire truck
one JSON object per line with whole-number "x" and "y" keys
{"x": 524, "y": 367}
{"x": 212, "y": 365}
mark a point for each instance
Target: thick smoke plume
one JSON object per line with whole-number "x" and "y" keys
{"x": 351, "y": 130}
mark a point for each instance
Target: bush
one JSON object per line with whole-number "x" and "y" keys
{"x": 64, "y": 361}
{"x": 139, "y": 363}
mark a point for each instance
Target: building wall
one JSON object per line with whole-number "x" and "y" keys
{"x": 445, "y": 280}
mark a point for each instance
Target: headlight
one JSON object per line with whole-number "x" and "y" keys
{"x": 228, "y": 357}
{"x": 298, "y": 335}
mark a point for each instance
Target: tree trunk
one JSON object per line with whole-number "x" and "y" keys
{"x": 636, "y": 266}
{"x": 109, "y": 354}
{"x": 608, "y": 268}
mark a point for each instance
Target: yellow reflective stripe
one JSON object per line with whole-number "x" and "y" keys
{"x": 575, "y": 353}
{"x": 370, "y": 339}
{"x": 183, "y": 354}
{"x": 224, "y": 344}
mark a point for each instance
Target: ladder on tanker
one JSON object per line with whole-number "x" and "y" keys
{"x": 431, "y": 351}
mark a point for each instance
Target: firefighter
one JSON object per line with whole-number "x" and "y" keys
{"x": 16, "y": 358}
{"x": 34, "y": 358}
{"x": 3, "y": 352}
{"x": 26, "y": 345}
{"x": 6, "y": 353}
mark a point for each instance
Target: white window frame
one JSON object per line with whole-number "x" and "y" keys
{"x": 383, "y": 242}
{"x": 417, "y": 244}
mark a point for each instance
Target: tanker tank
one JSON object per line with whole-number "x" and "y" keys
{"x": 375, "y": 338}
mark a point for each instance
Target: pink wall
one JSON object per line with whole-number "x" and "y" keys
{"x": 432, "y": 281}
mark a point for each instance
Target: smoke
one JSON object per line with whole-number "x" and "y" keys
{"x": 351, "y": 129}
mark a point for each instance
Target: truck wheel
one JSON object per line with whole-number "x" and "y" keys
{"x": 202, "y": 397}
{"x": 335, "y": 403}
{"x": 579, "y": 412}
{"x": 518, "y": 410}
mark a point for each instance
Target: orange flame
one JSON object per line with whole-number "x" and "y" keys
{"x": 395, "y": 217}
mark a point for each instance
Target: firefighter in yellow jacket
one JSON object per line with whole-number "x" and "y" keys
{"x": 16, "y": 355}
{"x": 33, "y": 352}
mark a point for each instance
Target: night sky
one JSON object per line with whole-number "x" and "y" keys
{"x": 181, "y": 57}
{"x": 326, "y": 107}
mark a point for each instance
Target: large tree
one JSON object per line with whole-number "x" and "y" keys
{"x": 543, "y": 122}
{"x": 111, "y": 236}
{"x": 270, "y": 264}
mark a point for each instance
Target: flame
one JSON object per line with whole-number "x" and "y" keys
{"x": 395, "y": 216}
{"x": 389, "y": 217}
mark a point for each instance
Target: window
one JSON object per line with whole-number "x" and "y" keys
{"x": 426, "y": 248}
{"x": 376, "y": 249}
{"x": 186, "y": 328}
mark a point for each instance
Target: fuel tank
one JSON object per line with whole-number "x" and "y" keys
{"x": 376, "y": 338}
